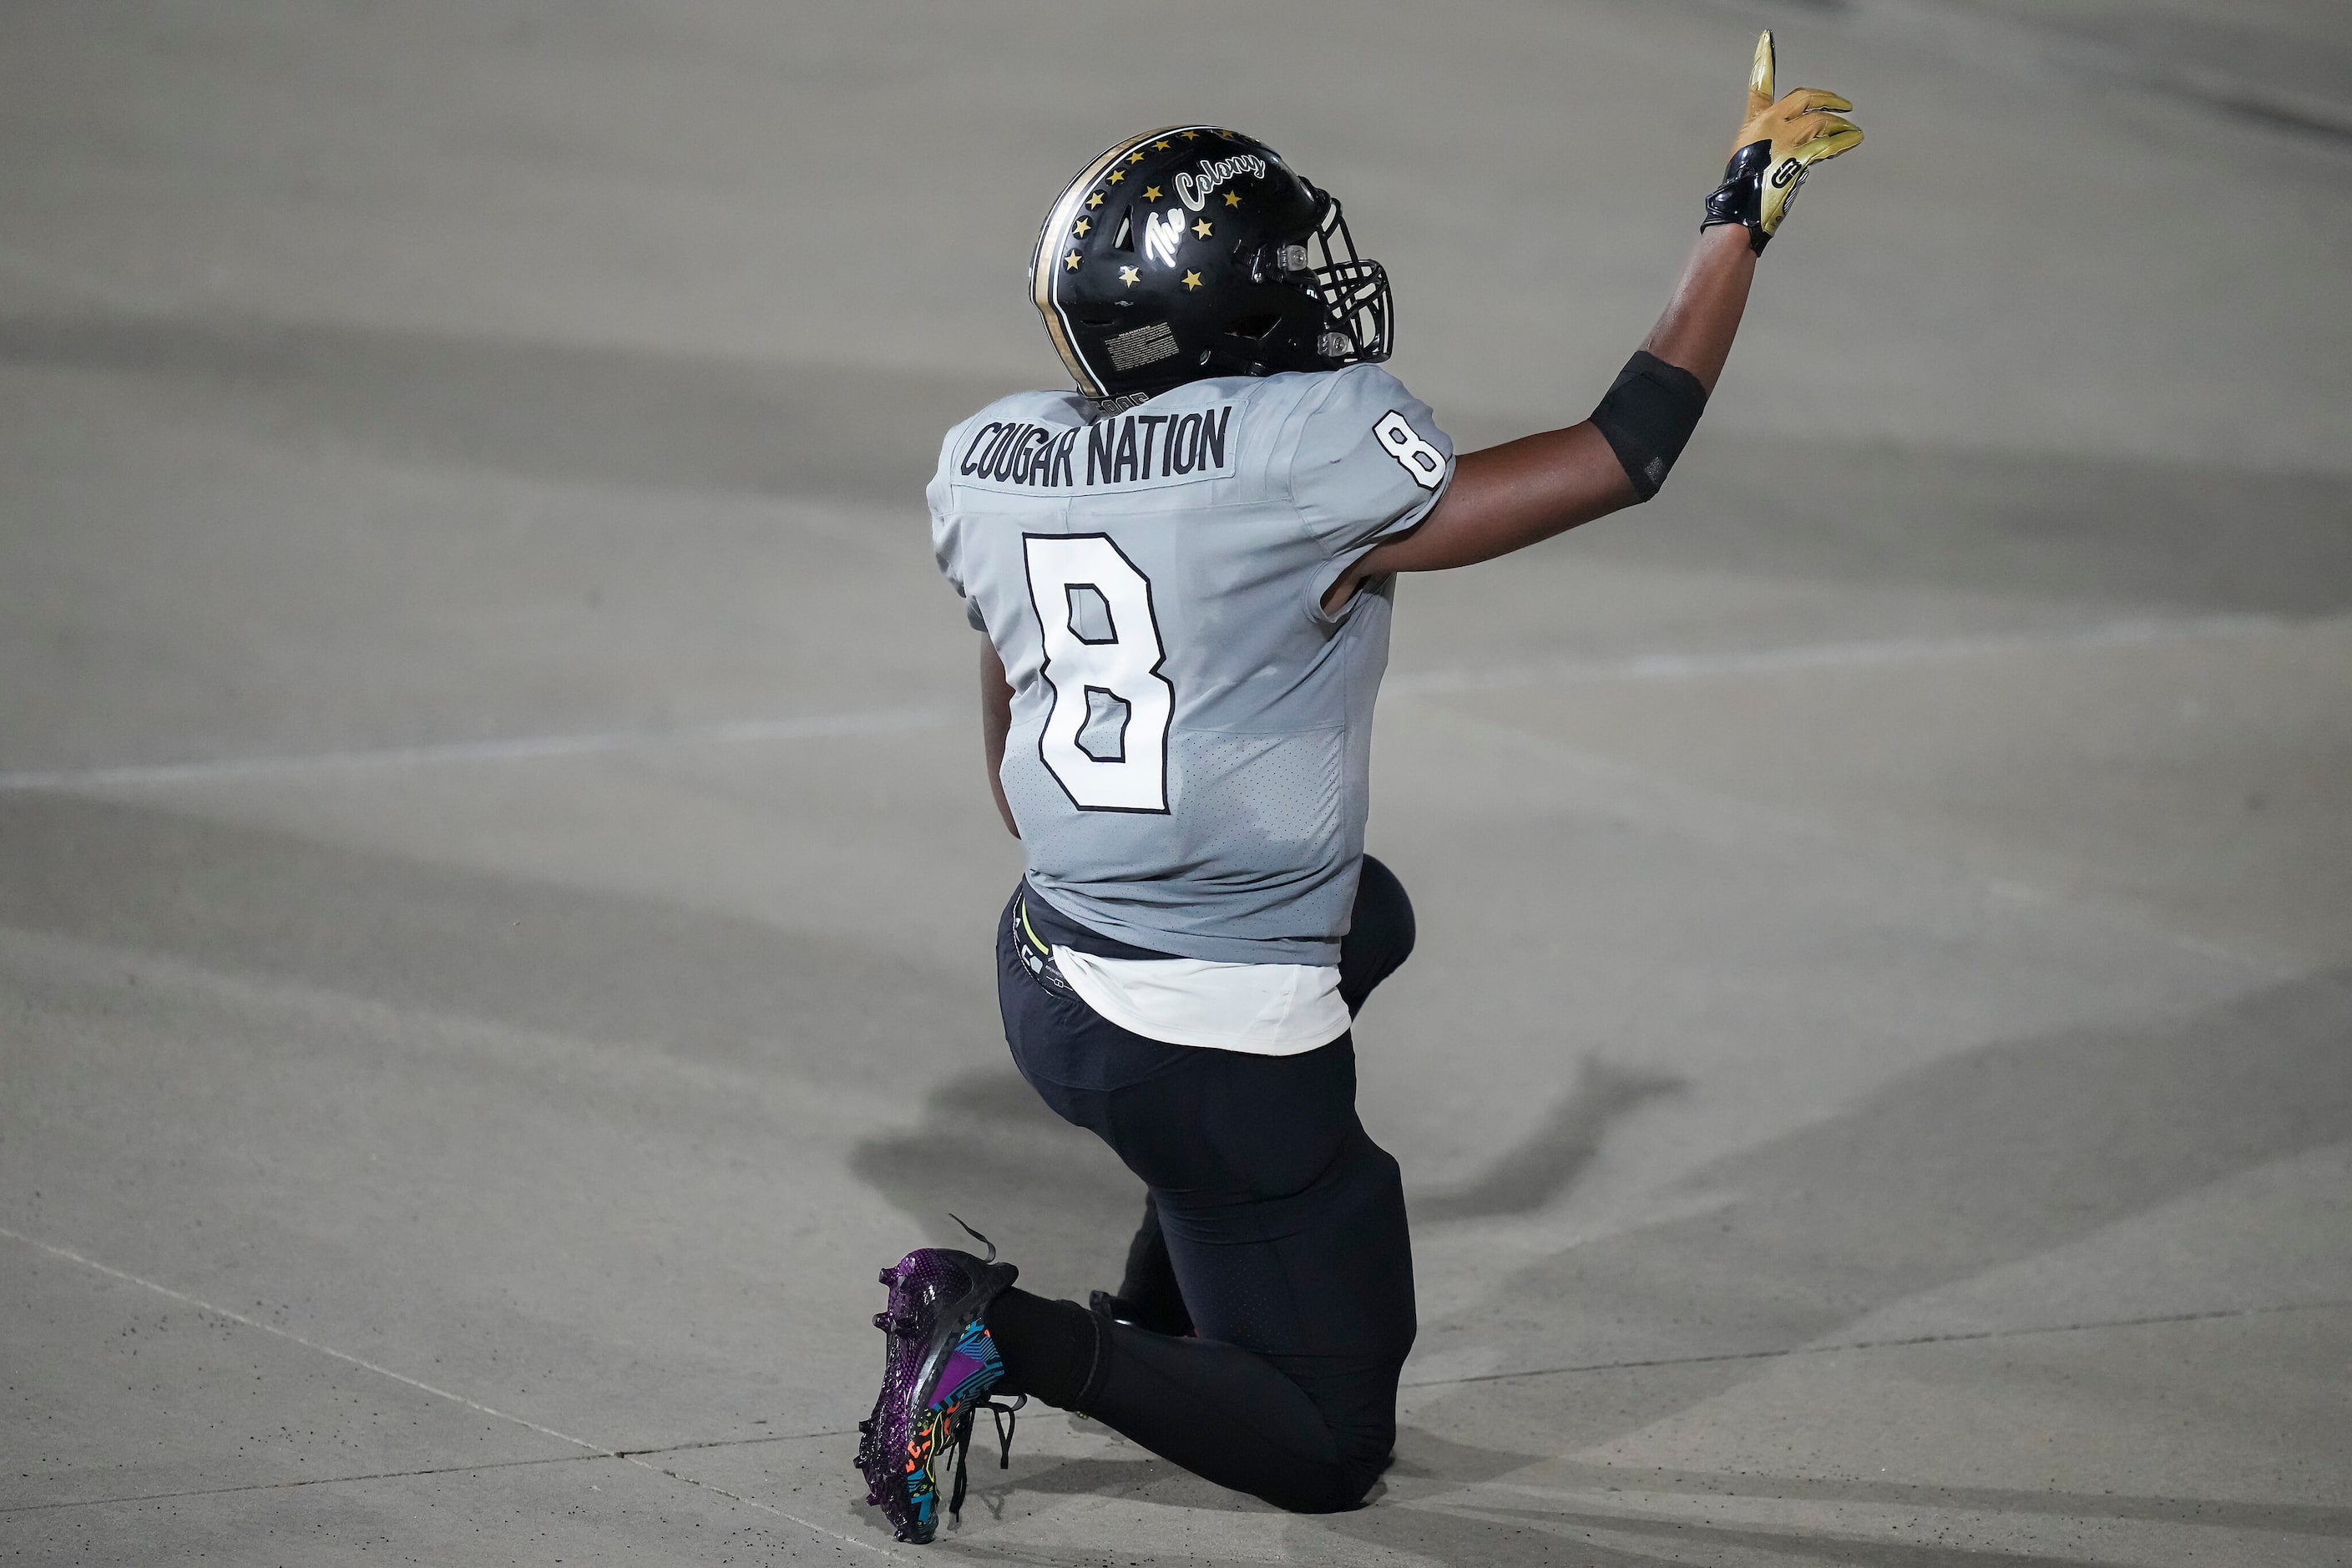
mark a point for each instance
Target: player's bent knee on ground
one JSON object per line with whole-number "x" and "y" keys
{"x": 1184, "y": 568}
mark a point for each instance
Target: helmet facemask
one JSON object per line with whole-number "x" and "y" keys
{"x": 1354, "y": 291}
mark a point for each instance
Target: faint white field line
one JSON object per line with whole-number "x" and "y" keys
{"x": 1651, "y": 1496}
{"x": 70, "y": 1255}
{"x": 598, "y": 1450}
{"x": 423, "y": 1032}
{"x": 1698, "y": 809}
{"x": 1810, "y": 1529}
{"x": 1720, "y": 817}
{"x": 1858, "y": 654}
{"x": 301, "y": 1483}
{"x": 521, "y": 748}
{"x": 1436, "y": 682}
{"x": 2138, "y": 632}
{"x": 1894, "y": 1341}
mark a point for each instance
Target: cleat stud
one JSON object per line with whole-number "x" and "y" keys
{"x": 885, "y": 1321}
{"x": 889, "y": 1276}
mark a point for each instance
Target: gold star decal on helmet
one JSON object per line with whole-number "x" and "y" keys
{"x": 1135, "y": 157}
{"x": 1233, "y": 198}
{"x": 1152, "y": 192}
{"x": 1192, "y": 280}
{"x": 1191, "y": 135}
{"x": 1116, "y": 175}
{"x": 1071, "y": 260}
{"x": 1129, "y": 276}
{"x": 1201, "y": 229}
{"x": 1160, "y": 146}
{"x": 1083, "y": 226}
{"x": 1094, "y": 200}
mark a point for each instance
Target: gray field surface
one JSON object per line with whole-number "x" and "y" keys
{"x": 496, "y": 876}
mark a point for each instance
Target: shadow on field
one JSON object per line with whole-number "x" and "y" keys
{"x": 1969, "y": 1163}
{"x": 1973, "y": 1162}
{"x": 1055, "y": 1198}
{"x": 1063, "y": 1206}
{"x": 1546, "y": 1162}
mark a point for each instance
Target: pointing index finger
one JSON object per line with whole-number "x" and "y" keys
{"x": 1759, "y": 77}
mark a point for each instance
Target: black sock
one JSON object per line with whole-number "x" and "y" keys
{"x": 1055, "y": 1352}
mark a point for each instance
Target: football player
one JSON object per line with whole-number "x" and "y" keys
{"x": 1184, "y": 571}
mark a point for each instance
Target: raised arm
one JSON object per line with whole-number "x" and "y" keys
{"x": 1508, "y": 497}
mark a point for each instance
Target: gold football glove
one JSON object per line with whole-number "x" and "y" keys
{"x": 1776, "y": 149}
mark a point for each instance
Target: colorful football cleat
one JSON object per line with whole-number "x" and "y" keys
{"x": 938, "y": 1366}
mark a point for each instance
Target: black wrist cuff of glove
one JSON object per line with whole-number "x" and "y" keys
{"x": 1648, "y": 416}
{"x": 1741, "y": 198}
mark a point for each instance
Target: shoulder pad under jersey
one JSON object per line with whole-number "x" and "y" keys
{"x": 1370, "y": 460}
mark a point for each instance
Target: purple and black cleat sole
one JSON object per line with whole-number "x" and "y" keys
{"x": 937, "y": 1367}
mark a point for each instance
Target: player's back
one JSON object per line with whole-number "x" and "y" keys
{"x": 1191, "y": 733}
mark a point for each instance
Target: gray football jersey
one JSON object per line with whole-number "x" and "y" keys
{"x": 1192, "y": 735}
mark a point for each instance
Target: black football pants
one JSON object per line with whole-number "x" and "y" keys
{"x": 1282, "y": 1222}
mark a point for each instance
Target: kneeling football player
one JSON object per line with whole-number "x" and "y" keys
{"x": 1184, "y": 571}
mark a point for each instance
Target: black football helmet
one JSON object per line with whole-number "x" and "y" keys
{"x": 1185, "y": 253}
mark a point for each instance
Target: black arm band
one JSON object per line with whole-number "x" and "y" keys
{"x": 1648, "y": 418}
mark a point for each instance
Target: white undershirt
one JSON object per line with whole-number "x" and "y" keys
{"x": 1264, "y": 1009}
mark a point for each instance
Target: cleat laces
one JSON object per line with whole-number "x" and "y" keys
{"x": 1005, "y": 1417}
